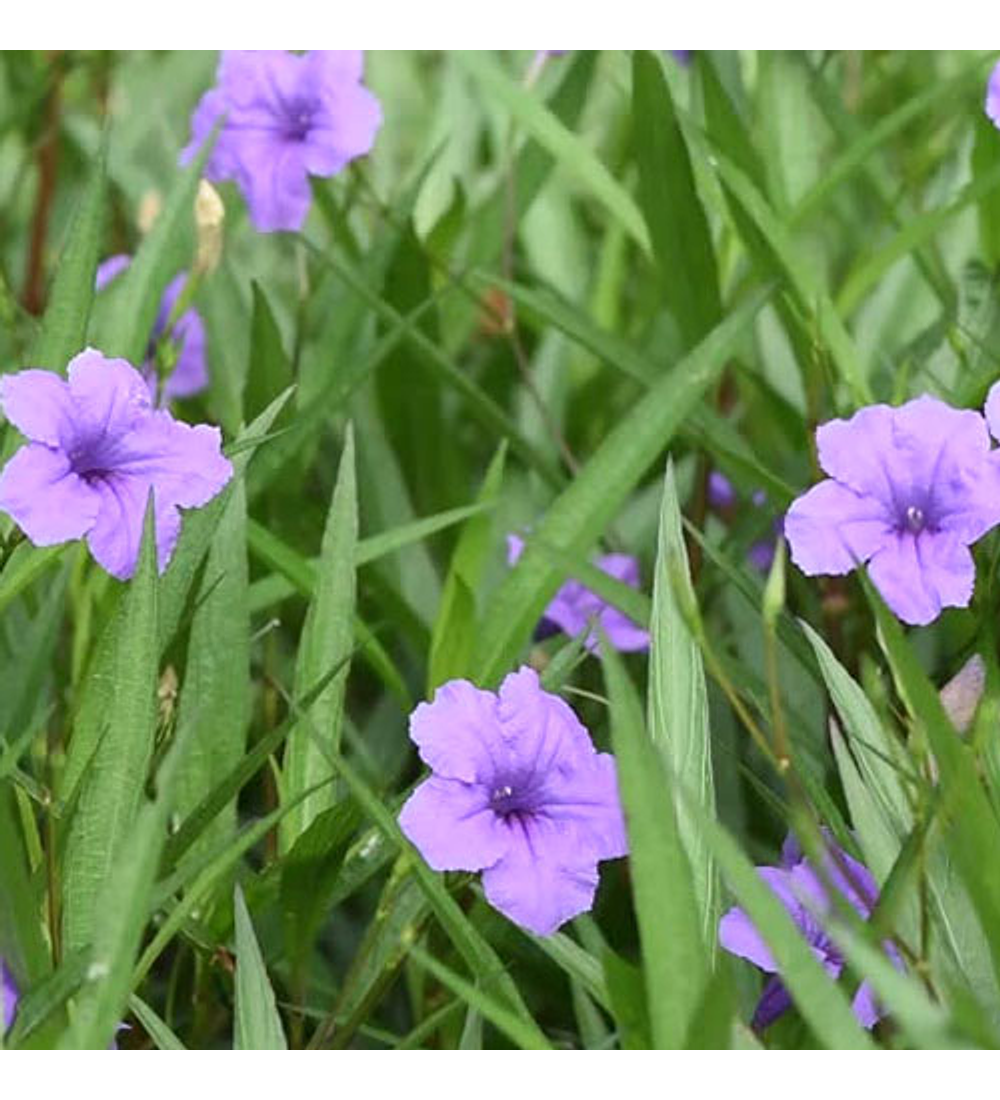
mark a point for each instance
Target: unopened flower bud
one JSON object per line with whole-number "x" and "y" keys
{"x": 209, "y": 215}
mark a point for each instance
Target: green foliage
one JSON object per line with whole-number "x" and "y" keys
{"x": 553, "y": 278}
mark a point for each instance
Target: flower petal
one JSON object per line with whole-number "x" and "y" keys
{"x": 48, "y": 501}
{"x": 116, "y": 536}
{"x": 343, "y": 128}
{"x": 273, "y": 177}
{"x": 453, "y": 825}
{"x": 739, "y": 936}
{"x": 918, "y": 575}
{"x": 775, "y": 1001}
{"x": 38, "y": 403}
{"x": 587, "y": 800}
{"x": 109, "y": 399}
{"x": 458, "y": 734}
{"x": 993, "y": 99}
{"x": 540, "y": 729}
{"x": 184, "y": 463}
{"x": 853, "y": 451}
{"x": 8, "y": 998}
{"x": 190, "y": 373}
{"x": 541, "y": 882}
{"x": 831, "y": 528}
{"x": 108, "y": 270}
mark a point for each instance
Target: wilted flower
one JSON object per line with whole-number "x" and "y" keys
{"x": 993, "y": 96}
{"x": 96, "y": 448}
{"x": 286, "y": 117}
{"x": 574, "y": 607}
{"x": 8, "y": 998}
{"x": 517, "y": 792}
{"x": 190, "y": 373}
{"x": 800, "y": 889}
{"x": 910, "y": 488}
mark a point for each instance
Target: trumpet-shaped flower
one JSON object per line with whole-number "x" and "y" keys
{"x": 517, "y": 792}
{"x": 285, "y": 117}
{"x": 910, "y": 489}
{"x": 574, "y": 607}
{"x": 803, "y": 893}
{"x": 96, "y": 448}
{"x": 190, "y": 373}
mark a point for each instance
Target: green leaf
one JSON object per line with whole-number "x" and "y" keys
{"x": 216, "y": 692}
{"x": 270, "y": 372}
{"x": 456, "y": 623}
{"x": 970, "y": 827}
{"x": 156, "y": 1028}
{"x": 678, "y": 228}
{"x": 569, "y": 151}
{"x": 327, "y": 640}
{"x": 678, "y": 701}
{"x": 527, "y": 1038}
{"x": 309, "y": 874}
{"x": 164, "y": 251}
{"x": 98, "y": 691}
{"x": 819, "y": 998}
{"x": 675, "y": 955}
{"x": 579, "y": 515}
{"x": 64, "y": 327}
{"x": 112, "y": 788}
{"x": 257, "y": 1023}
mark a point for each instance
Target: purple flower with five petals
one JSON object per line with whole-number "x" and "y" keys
{"x": 286, "y": 117}
{"x": 802, "y": 892}
{"x": 190, "y": 373}
{"x": 517, "y": 792}
{"x": 8, "y": 998}
{"x": 993, "y": 96}
{"x": 910, "y": 489}
{"x": 574, "y": 607}
{"x": 96, "y": 448}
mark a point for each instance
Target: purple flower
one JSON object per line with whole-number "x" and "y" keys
{"x": 190, "y": 373}
{"x": 96, "y": 448}
{"x": 519, "y": 793}
{"x": 721, "y": 493}
{"x": 801, "y": 891}
{"x": 993, "y": 96}
{"x": 287, "y": 117}
{"x": 910, "y": 488}
{"x": 8, "y": 998}
{"x": 574, "y": 607}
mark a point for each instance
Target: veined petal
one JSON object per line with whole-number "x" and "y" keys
{"x": 109, "y": 399}
{"x": 739, "y": 936}
{"x": 38, "y": 404}
{"x": 831, "y": 529}
{"x": 458, "y": 734}
{"x": 542, "y": 881}
{"x": 116, "y": 536}
{"x": 49, "y": 502}
{"x": 184, "y": 463}
{"x": 453, "y": 825}
{"x": 541, "y": 730}
{"x": 918, "y": 575}
{"x": 587, "y": 800}
{"x": 853, "y": 451}
{"x": 274, "y": 179}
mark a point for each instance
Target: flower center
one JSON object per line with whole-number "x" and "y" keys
{"x": 505, "y": 803}
{"x": 915, "y": 519}
{"x": 299, "y": 120}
